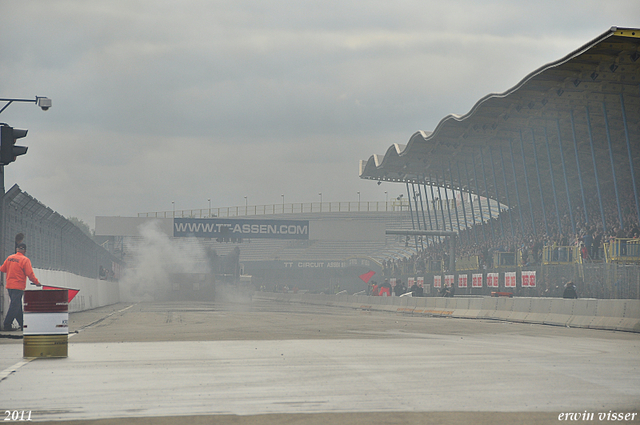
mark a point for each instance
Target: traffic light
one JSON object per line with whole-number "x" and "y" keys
{"x": 8, "y": 150}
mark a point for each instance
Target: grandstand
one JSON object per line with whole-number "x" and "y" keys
{"x": 561, "y": 151}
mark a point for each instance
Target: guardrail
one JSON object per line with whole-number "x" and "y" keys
{"x": 560, "y": 254}
{"x": 623, "y": 251}
{"x": 396, "y": 205}
{"x": 290, "y": 208}
{"x": 471, "y": 262}
{"x": 619, "y": 315}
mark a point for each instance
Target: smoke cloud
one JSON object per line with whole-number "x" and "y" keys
{"x": 153, "y": 259}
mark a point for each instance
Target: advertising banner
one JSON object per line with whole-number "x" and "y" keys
{"x": 232, "y": 228}
{"x": 410, "y": 282}
{"x": 462, "y": 281}
{"x": 437, "y": 281}
{"x": 510, "y": 279}
{"x": 421, "y": 281}
{"x": 448, "y": 279}
{"x": 476, "y": 280}
{"x": 529, "y": 279}
{"x": 493, "y": 280}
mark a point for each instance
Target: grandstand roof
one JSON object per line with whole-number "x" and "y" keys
{"x": 593, "y": 93}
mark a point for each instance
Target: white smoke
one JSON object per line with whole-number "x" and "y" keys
{"x": 152, "y": 260}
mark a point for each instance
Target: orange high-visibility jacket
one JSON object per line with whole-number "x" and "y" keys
{"x": 18, "y": 268}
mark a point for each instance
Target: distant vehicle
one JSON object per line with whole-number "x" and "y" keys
{"x": 192, "y": 287}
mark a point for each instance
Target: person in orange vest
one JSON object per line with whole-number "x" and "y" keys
{"x": 374, "y": 288}
{"x": 17, "y": 268}
{"x": 385, "y": 289}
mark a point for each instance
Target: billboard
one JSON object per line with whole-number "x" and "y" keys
{"x": 529, "y": 279}
{"x": 240, "y": 228}
{"x": 476, "y": 280}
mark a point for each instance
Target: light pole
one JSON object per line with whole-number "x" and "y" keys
{"x": 282, "y": 203}
{"x": 43, "y": 102}
{"x": 246, "y": 206}
{"x": 209, "y": 206}
{"x": 173, "y": 204}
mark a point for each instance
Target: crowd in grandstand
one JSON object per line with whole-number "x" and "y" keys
{"x": 508, "y": 234}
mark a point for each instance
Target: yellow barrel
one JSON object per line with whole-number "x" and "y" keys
{"x": 46, "y": 318}
{"x": 45, "y": 346}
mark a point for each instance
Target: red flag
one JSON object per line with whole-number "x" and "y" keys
{"x": 72, "y": 292}
{"x": 367, "y": 276}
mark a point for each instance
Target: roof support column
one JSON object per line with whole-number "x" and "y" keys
{"x": 486, "y": 191}
{"x": 475, "y": 174}
{"x": 506, "y": 188}
{"x": 613, "y": 167}
{"x": 495, "y": 185}
{"x": 515, "y": 179}
{"x": 413, "y": 224}
{"x": 575, "y": 146}
{"x": 444, "y": 223}
{"x": 424, "y": 219}
{"x": 535, "y": 158}
{"x": 435, "y": 212}
{"x": 464, "y": 210}
{"x": 428, "y": 210}
{"x": 455, "y": 203}
{"x": 473, "y": 213}
{"x": 553, "y": 183}
{"x": 595, "y": 170}
{"x": 526, "y": 182}
{"x": 566, "y": 180}
{"x": 415, "y": 201}
{"x": 633, "y": 177}
{"x": 446, "y": 196}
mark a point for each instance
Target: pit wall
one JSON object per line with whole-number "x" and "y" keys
{"x": 619, "y": 315}
{"x": 93, "y": 293}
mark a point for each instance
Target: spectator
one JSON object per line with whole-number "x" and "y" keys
{"x": 570, "y": 290}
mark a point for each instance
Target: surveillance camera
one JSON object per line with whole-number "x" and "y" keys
{"x": 44, "y": 103}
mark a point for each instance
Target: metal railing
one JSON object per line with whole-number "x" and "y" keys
{"x": 560, "y": 254}
{"x": 471, "y": 262}
{"x": 290, "y": 208}
{"x": 623, "y": 251}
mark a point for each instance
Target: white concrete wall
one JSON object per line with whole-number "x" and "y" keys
{"x": 93, "y": 292}
{"x": 621, "y": 315}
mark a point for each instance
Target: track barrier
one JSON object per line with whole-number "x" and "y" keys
{"x": 608, "y": 314}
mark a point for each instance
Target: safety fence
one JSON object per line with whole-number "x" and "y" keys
{"x": 396, "y": 205}
{"x": 288, "y": 208}
{"x": 53, "y": 242}
{"x": 619, "y": 251}
{"x": 623, "y": 251}
{"x": 593, "y": 280}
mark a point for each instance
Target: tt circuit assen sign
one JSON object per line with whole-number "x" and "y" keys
{"x": 240, "y": 228}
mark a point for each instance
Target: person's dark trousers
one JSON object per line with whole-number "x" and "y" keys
{"x": 15, "y": 308}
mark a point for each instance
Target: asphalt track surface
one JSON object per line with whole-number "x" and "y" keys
{"x": 266, "y": 362}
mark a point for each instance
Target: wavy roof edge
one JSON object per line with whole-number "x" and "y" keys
{"x": 398, "y": 150}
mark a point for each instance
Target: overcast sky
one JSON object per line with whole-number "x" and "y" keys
{"x": 162, "y": 102}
